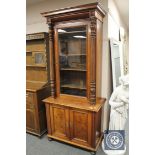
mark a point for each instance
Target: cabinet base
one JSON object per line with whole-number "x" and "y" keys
{"x": 37, "y": 134}
{"x": 89, "y": 148}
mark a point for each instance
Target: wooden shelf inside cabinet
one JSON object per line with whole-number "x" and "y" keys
{"x": 73, "y": 86}
{"x": 73, "y": 55}
{"x": 72, "y": 32}
{"x": 73, "y": 69}
{"x": 40, "y": 66}
{"x": 35, "y": 51}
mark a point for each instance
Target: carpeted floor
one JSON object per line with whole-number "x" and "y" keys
{"x": 37, "y": 146}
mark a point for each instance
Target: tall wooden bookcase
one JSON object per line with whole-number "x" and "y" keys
{"x": 74, "y": 108}
{"x": 37, "y": 82}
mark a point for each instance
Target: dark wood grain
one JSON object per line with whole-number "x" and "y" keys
{"x": 77, "y": 9}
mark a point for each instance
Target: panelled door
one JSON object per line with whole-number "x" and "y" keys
{"x": 60, "y": 122}
{"x": 80, "y": 127}
{"x": 30, "y": 112}
{"x": 30, "y": 119}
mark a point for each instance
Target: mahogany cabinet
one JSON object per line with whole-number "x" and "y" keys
{"x": 74, "y": 108}
{"x": 37, "y": 82}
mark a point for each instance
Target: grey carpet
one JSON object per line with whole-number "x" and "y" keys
{"x": 37, "y": 146}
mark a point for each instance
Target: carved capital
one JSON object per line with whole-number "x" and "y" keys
{"x": 48, "y": 21}
{"x": 92, "y": 92}
{"x": 93, "y": 23}
{"x": 51, "y": 32}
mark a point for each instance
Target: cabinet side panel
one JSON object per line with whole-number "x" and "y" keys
{"x": 48, "y": 118}
{"x": 99, "y": 57}
{"x": 98, "y": 125}
{"x": 42, "y": 119}
{"x": 42, "y": 94}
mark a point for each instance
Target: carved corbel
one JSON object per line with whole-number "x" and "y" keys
{"x": 93, "y": 21}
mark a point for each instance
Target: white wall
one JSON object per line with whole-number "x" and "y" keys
{"x": 115, "y": 21}
{"x": 37, "y": 23}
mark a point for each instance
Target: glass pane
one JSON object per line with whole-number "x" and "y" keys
{"x": 72, "y": 57}
{"x": 39, "y": 58}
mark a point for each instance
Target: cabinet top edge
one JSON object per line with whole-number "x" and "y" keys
{"x": 34, "y": 36}
{"x": 34, "y": 86}
{"x": 78, "y": 103}
{"x": 84, "y": 7}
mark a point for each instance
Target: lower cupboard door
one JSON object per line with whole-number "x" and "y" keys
{"x": 59, "y": 122}
{"x": 81, "y": 127}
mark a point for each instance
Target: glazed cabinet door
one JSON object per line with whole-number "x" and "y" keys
{"x": 71, "y": 58}
{"x": 59, "y": 122}
{"x": 80, "y": 127}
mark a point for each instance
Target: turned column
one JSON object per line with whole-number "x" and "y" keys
{"x": 51, "y": 57}
{"x": 92, "y": 95}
